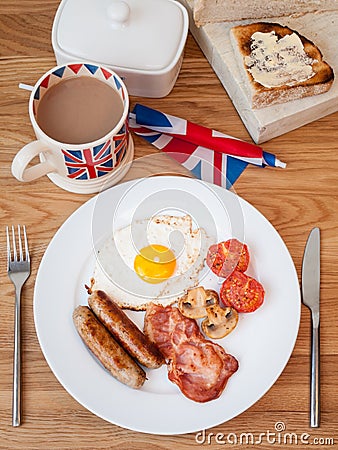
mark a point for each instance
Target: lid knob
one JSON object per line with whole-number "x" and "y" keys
{"x": 119, "y": 12}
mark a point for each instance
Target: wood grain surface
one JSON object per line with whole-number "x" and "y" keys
{"x": 296, "y": 199}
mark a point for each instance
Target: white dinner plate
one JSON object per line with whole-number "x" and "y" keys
{"x": 262, "y": 342}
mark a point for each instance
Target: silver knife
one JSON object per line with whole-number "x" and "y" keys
{"x": 310, "y": 297}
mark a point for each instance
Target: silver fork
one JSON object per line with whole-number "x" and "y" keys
{"x": 18, "y": 269}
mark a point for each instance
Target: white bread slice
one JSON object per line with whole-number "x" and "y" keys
{"x": 261, "y": 94}
{"x": 211, "y": 11}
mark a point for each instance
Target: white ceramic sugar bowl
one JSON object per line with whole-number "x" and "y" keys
{"x": 141, "y": 40}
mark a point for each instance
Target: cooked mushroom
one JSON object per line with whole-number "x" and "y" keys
{"x": 195, "y": 303}
{"x": 220, "y": 321}
{"x": 212, "y": 297}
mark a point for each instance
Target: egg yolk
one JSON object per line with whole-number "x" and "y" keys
{"x": 155, "y": 263}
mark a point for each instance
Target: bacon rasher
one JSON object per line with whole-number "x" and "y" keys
{"x": 199, "y": 367}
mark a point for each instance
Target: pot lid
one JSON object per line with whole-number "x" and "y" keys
{"x": 146, "y": 35}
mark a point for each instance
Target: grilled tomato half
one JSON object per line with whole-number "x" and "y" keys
{"x": 241, "y": 292}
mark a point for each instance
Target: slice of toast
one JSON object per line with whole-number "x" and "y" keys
{"x": 276, "y": 70}
{"x": 212, "y": 11}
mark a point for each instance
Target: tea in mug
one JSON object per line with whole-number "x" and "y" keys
{"x": 79, "y": 110}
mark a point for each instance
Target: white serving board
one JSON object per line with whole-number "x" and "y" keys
{"x": 272, "y": 121}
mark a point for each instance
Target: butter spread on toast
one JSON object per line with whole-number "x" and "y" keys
{"x": 277, "y": 62}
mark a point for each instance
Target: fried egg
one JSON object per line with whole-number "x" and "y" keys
{"x": 152, "y": 260}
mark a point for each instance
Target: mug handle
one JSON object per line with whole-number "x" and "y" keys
{"x": 22, "y": 159}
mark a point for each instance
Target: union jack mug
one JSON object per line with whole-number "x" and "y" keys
{"x": 81, "y": 168}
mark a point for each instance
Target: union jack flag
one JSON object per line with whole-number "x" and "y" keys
{"x": 210, "y": 155}
{"x": 90, "y": 163}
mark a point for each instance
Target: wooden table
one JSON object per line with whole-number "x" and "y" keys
{"x": 296, "y": 199}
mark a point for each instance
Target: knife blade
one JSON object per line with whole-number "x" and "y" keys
{"x": 311, "y": 299}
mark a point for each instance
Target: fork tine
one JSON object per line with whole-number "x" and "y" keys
{"x": 8, "y": 246}
{"x": 14, "y": 244}
{"x": 26, "y": 243}
{"x": 20, "y": 243}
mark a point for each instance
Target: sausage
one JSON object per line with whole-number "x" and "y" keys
{"x": 106, "y": 349}
{"x": 124, "y": 330}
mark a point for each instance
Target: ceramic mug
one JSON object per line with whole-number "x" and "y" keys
{"x": 81, "y": 168}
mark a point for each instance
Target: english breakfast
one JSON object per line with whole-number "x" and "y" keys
{"x": 177, "y": 329}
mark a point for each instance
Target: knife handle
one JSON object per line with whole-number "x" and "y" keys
{"x": 315, "y": 376}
